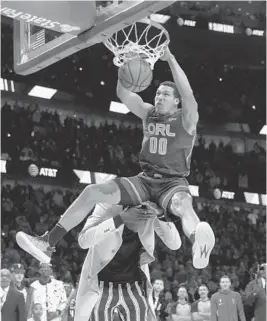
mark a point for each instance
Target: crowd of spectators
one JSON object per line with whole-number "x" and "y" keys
{"x": 225, "y": 10}
{"x": 31, "y": 134}
{"x": 240, "y": 240}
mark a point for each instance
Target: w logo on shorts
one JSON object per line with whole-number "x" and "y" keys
{"x": 204, "y": 251}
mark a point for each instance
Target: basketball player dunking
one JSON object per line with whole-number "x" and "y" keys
{"x": 169, "y": 136}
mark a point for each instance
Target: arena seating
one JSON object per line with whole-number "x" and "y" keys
{"x": 29, "y": 133}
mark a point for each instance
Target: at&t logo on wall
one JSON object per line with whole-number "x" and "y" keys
{"x": 47, "y": 172}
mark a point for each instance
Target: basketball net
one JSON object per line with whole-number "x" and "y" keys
{"x": 145, "y": 39}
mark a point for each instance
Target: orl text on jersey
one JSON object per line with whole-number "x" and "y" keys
{"x": 163, "y": 129}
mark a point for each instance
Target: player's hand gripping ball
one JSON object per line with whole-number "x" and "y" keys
{"x": 135, "y": 75}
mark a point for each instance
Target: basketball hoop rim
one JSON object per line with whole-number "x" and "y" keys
{"x": 152, "y": 54}
{"x": 156, "y": 25}
{"x": 149, "y": 22}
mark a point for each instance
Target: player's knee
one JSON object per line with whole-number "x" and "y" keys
{"x": 102, "y": 192}
{"x": 180, "y": 203}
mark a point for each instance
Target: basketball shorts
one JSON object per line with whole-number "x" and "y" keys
{"x": 158, "y": 189}
{"x": 120, "y": 302}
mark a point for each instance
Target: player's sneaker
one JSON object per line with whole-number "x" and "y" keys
{"x": 37, "y": 246}
{"x": 204, "y": 243}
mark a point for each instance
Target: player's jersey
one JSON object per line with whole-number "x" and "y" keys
{"x": 201, "y": 306}
{"x": 167, "y": 146}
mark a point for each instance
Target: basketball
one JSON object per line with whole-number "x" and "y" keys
{"x": 135, "y": 75}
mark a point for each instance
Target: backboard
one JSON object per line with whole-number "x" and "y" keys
{"x": 48, "y": 31}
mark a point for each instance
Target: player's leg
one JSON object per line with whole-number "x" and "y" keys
{"x": 117, "y": 191}
{"x": 199, "y": 233}
{"x": 175, "y": 197}
{"x": 41, "y": 247}
{"x": 123, "y": 191}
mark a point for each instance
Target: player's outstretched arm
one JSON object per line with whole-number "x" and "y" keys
{"x": 189, "y": 104}
{"x": 133, "y": 101}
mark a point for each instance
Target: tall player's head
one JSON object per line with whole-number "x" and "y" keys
{"x": 167, "y": 98}
{"x": 225, "y": 282}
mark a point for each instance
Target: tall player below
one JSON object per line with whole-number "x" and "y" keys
{"x": 169, "y": 136}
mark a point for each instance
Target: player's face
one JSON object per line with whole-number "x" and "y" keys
{"x": 182, "y": 293}
{"x": 158, "y": 285}
{"x": 225, "y": 284}
{"x": 18, "y": 276}
{"x": 165, "y": 101}
{"x": 203, "y": 292}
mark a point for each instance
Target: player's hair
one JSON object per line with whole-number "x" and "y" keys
{"x": 204, "y": 284}
{"x": 225, "y": 276}
{"x": 173, "y": 86}
{"x": 157, "y": 279}
{"x": 35, "y": 304}
{"x": 182, "y": 287}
